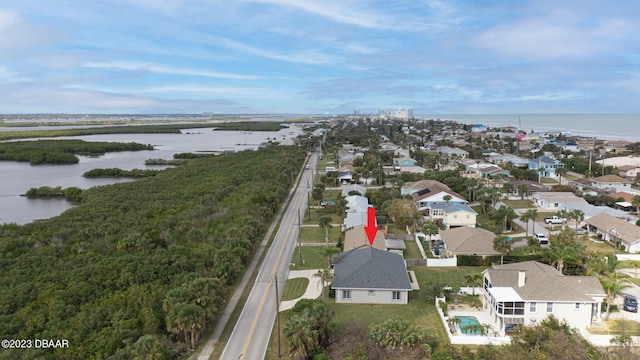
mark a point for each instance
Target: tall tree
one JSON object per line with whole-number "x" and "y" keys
{"x": 505, "y": 214}
{"x": 324, "y": 277}
{"x": 522, "y": 190}
{"x": 325, "y": 223}
{"x": 501, "y": 245}
{"x": 532, "y": 214}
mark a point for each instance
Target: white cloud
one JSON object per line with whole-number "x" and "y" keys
{"x": 337, "y": 11}
{"x": 138, "y": 66}
{"x": 552, "y": 37}
{"x": 310, "y": 57}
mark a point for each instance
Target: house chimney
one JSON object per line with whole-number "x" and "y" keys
{"x": 521, "y": 278}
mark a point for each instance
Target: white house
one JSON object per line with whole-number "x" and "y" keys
{"x": 612, "y": 183}
{"x": 411, "y": 187}
{"x": 555, "y": 201}
{"x": 617, "y": 231}
{"x": 435, "y": 194}
{"x": 525, "y": 293}
{"x": 370, "y": 276}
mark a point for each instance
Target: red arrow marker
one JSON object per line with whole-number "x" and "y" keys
{"x": 372, "y": 228}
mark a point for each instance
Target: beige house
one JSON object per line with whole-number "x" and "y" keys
{"x": 468, "y": 241}
{"x": 628, "y": 172}
{"x": 453, "y": 214}
{"x": 616, "y": 230}
{"x": 357, "y": 237}
{"x": 525, "y": 293}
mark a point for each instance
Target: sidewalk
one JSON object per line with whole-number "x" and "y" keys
{"x": 313, "y": 291}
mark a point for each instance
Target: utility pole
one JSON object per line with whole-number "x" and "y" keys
{"x": 278, "y": 313}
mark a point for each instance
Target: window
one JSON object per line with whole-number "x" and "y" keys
{"x": 577, "y": 306}
{"x": 549, "y": 307}
{"x": 395, "y": 296}
{"x": 372, "y": 293}
{"x": 455, "y": 216}
{"x": 532, "y": 307}
{"x": 346, "y": 294}
{"x": 511, "y": 308}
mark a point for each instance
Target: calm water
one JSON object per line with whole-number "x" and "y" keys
{"x": 603, "y": 126}
{"x": 16, "y": 178}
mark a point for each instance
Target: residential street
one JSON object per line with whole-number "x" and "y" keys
{"x": 250, "y": 336}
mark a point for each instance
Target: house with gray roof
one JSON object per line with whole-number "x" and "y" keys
{"x": 370, "y": 276}
{"x": 525, "y": 293}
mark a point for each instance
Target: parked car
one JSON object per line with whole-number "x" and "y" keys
{"x": 582, "y": 231}
{"x": 554, "y": 220}
{"x": 543, "y": 240}
{"x": 630, "y": 303}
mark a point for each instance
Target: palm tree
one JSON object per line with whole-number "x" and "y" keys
{"x": 501, "y": 245}
{"x": 560, "y": 172}
{"x": 613, "y": 288}
{"x": 578, "y": 216}
{"x": 532, "y": 214}
{"x": 329, "y": 252}
{"x": 564, "y": 214}
{"x": 324, "y": 276}
{"x": 506, "y": 214}
{"x": 507, "y": 189}
{"x": 562, "y": 254}
{"x": 447, "y": 198}
{"x": 522, "y": 190}
{"x": 473, "y": 281}
{"x": 430, "y": 228}
{"x": 525, "y": 217}
{"x": 533, "y": 244}
{"x": 301, "y": 335}
{"x": 325, "y": 223}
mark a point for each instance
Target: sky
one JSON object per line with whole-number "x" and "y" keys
{"x": 319, "y": 56}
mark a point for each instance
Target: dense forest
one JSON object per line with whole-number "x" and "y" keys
{"x": 61, "y": 151}
{"x": 140, "y": 268}
{"x": 117, "y": 172}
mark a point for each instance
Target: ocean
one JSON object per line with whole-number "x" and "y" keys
{"x": 601, "y": 126}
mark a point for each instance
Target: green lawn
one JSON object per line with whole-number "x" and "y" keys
{"x": 518, "y": 204}
{"x": 412, "y": 251}
{"x": 316, "y": 214}
{"x": 294, "y": 288}
{"x": 546, "y": 180}
{"x": 312, "y": 257}
{"x": 317, "y": 234}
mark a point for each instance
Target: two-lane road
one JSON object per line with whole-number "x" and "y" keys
{"x": 250, "y": 336}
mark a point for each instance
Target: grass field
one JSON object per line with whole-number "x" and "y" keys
{"x": 312, "y": 257}
{"x": 518, "y": 204}
{"x": 412, "y": 251}
{"x": 316, "y": 214}
{"x": 294, "y": 288}
{"x": 317, "y": 234}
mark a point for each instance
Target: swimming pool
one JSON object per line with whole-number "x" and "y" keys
{"x": 466, "y": 321}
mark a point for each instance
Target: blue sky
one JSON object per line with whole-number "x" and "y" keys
{"x": 319, "y": 56}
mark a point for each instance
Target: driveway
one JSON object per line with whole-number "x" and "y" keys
{"x": 633, "y": 290}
